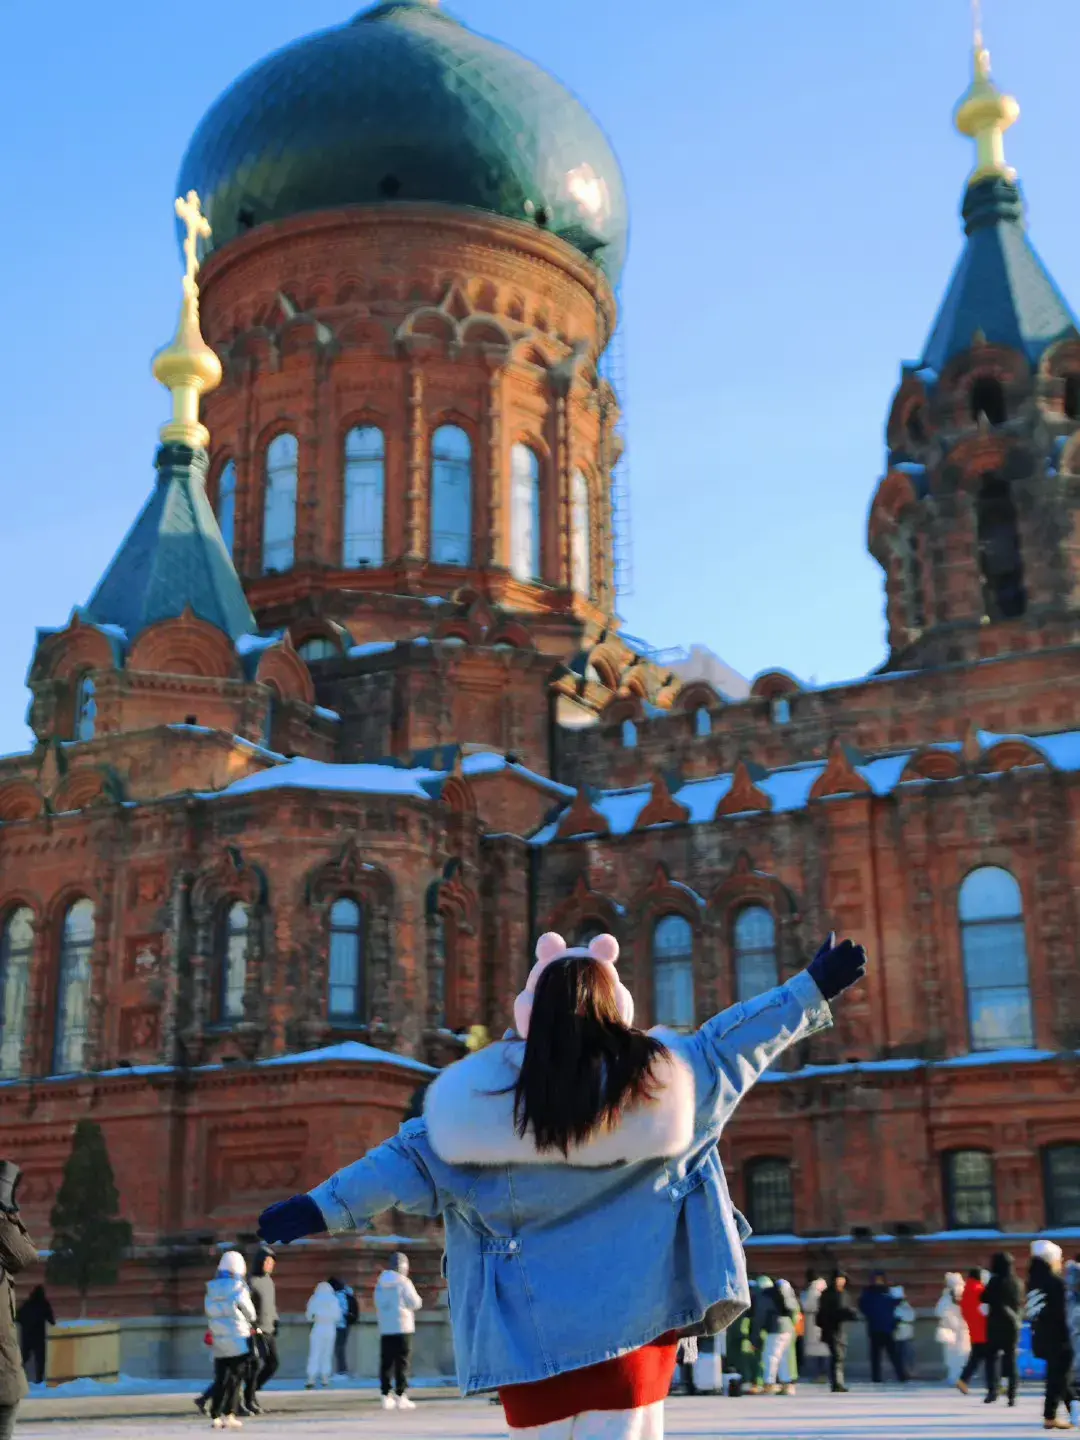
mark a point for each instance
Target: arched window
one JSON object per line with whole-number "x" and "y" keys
{"x": 524, "y": 513}
{"x": 279, "y": 505}
{"x": 673, "y": 972}
{"x": 226, "y": 505}
{"x": 770, "y": 1201}
{"x": 1061, "y": 1177}
{"x": 16, "y": 952}
{"x": 629, "y": 735}
{"x": 580, "y": 530}
{"x": 437, "y": 978}
{"x": 969, "y": 1190}
{"x": 588, "y": 933}
{"x": 270, "y": 718}
{"x": 781, "y": 710}
{"x": 913, "y": 582}
{"x": 1000, "y": 561}
{"x": 754, "y": 936}
{"x": 702, "y": 722}
{"x": 73, "y": 989}
{"x": 318, "y": 648}
{"x": 85, "y": 708}
{"x": 365, "y": 485}
{"x": 988, "y": 398}
{"x": 1072, "y": 397}
{"x": 995, "y": 960}
{"x": 451, "y": 496}
{"x": 232, "y": 963}
{"x": 346, "y": 961}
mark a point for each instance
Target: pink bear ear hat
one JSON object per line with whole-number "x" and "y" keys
{"x": 604, "y": 949}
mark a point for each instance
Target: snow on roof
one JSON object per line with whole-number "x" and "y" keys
{"x": 252, "y": 644}
{"x": 326, "y": 714}
{"x": 304, "y": 774}
{"x": 1017, "y": 1056}
{"x": 789, "y": 786}
{"x": 352, "y": 1052}
{"x": 371, "y": 647}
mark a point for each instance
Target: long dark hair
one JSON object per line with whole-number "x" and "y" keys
{"x": 582, "y": 1065}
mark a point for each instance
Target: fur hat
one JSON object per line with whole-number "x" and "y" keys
{"x": 1046, "y": 1250}
{"x": 604, "y": 949}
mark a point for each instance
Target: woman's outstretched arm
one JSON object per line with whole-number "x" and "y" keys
{"x": 391, "y": 1174}
{"x": 736, "y": 1047}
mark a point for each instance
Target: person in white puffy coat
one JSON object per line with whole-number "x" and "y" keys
{"x": 230, "y": 1316}
{"x": 396, "y": 1304}
{"x": 324, "y": 1315}
{"x": 952, "y": 1332}
{"x": 815, "y": 1351}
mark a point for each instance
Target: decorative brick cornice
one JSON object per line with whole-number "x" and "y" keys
{"x": 581, "y": 819}
{"x": 744, "y": 795}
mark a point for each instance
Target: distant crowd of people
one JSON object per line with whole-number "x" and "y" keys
{"x": 242, "y": 1328}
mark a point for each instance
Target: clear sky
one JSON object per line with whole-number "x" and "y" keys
{"x": 794, "y": 184}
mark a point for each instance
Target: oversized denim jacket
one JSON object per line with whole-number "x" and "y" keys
{"x": 554, "y": 1266}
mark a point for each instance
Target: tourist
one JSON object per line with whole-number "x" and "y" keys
{"x": 971, "y": 1307}
{"x": 814, "y": 1363}
{"x": 350, "y": 1313}
{"x": 230, "y": 1316}
{"x": 16, "y": 1253}
{"x": 1004, "y": 1303}
{"x": 324, "y": 1316}
{"x": 1050, "y": 1339}
{"x": 762, "y": 1311}
{"x": 952, "y": 1332}
{"x": 834, "y": 1315}
{"x": 265, "y": 1357}
{"x": 878, "y": 1308}
{"x": 1072, "y": 1316}
{"x": 779, "y": 1310}
{"x": 743, "y": 1351}
{"x": 575, "y": 1165}
{"x": 686, "y": 1357}
{"x": 904, "y": 1334}
{"x": 396, "y": 1304}
{"x": 33, "y": 1317}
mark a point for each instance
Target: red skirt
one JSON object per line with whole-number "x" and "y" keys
{"x": 627, "y": 1383}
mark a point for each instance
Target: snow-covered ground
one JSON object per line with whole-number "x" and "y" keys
{"x": 888, "y": 1413}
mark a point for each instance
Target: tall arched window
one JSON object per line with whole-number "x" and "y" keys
{"x": 673, "y": 972}
{"x": 279, "y": 505}
{"x": 346, "y": 957}
{"x": 988, "y": 398}
{"x": 995, "y": 960}
{"x": 702, "y": 722}
{"x": 969, "y": 1190}
{"x": 754, "y": 937}
{"x": 451, "y": 496}
{"x": 365, "y": 486}
{"x": 1061, "y": 1176}
{"x": 1000, "y": 561}
{"x": 437, "y": 986}
{"x": 629, "y": 735}
{"x": 770, "y": 1200}
{"x": 580, "y": 556}
{"x": 73, "y": 989}
{"x": 232, "y": 963}
{"x": 226, "y": 505}
{"x": 524, "y": 513}
{"x": 85, "y": 708}
{"x": 16, "y": 952}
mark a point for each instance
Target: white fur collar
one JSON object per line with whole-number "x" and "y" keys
{"x": 469, "y": 1111}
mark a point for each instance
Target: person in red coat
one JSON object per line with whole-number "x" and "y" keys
{"x": 971, "y": 1307}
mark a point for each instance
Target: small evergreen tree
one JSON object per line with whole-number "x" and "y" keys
{"x": 89, "y": 1239}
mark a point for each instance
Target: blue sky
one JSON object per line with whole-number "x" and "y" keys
{"x": 794, "y": 184}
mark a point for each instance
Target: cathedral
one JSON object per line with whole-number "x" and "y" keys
{"x": 349, "y": 719}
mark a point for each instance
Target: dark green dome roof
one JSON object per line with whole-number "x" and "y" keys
{"x": 405, "y": 103}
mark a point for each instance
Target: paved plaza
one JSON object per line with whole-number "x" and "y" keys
{"x": 919, "y": 1413}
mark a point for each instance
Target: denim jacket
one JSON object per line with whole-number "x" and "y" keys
{"x": 556, "y": 1265}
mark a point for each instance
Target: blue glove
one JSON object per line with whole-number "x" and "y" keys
{"x": 291, "y": 1220}
{"x": 836, "y": 967}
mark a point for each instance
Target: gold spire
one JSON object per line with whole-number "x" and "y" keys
{"x": 188, "y": 367}
{"x": 985, "y": 113}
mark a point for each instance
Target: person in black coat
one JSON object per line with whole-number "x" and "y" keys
{"x": 835, "y": 1314}
{"x": 17, "y": 1251}
{"x": 33, "y": 1316}
{"x": 1050, "y": 1339}
{"x": 1004, "y": 1303}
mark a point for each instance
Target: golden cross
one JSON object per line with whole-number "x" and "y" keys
{"x": 189, "y": 210}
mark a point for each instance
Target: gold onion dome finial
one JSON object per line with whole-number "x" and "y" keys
{"x": 985, "y": 113}
{"x": 187, "y": 367}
